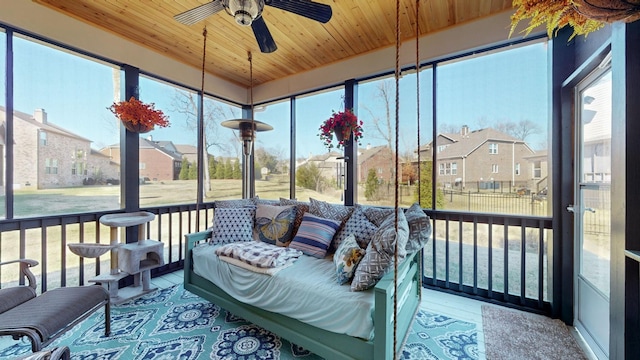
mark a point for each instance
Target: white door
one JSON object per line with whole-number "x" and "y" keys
{"x": 592, "y": 209}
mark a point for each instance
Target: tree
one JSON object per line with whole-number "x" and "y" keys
{"x": 220, "y": 169}
{"x": 193, "y": 171}
{"x": 371, "y": 185}
{"x": 447, "y": 128}
{"x": 212, "y": 167}
{"x": 519, "y": 130}
{"x": 308, "y": 176}
{"x": 228, "y": 169}
{"x": 266, "y": 159}
{"x": 382, "y": 125}
{"x": 186, "y": 103}
{"x": 184, "y": 170}
{"x": 237, "y": 169}
{"x": 408, "y": 173}
{"x": 426, "y": 186}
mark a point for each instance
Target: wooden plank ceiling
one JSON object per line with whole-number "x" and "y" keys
{"x": 356, "y": 27}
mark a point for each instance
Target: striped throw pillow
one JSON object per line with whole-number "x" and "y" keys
{"x": 314, "y": 235}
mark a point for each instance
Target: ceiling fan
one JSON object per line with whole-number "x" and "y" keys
{"x": 249, "y": 13}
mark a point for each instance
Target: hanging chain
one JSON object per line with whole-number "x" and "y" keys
{"x": 201, "y": 130}
{"x": 418, "y": 95}
{"x": 420, "y": 264}
{"x": 395, "y": 262}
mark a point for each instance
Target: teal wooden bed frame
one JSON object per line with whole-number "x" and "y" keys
{"x": 321, "y": 342}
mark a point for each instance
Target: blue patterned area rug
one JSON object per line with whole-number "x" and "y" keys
{"x": 175, "y": 324}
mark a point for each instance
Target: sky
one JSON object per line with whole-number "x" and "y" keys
{"x": 479, "y": 91}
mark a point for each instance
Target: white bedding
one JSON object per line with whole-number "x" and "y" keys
{"x": 307, "y": 291}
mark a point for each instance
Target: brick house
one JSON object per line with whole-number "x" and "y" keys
{"x": 48, "y": 156}
{"x": 159, "y": 160}
{"x": 379, "y": 158}
{"x": 484, "y": 158}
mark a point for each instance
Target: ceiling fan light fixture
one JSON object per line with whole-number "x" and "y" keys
{"x": 245, "y": 11}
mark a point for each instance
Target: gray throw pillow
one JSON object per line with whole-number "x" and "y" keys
{"x": 419, "y": 228}
{"x": 380, "y": 254}
{"x": 376, "y": 214}
{"x": 359, "y": 226}
{"x": 327, "y": 210}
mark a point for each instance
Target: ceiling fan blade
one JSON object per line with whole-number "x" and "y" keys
{"x": 309, "y": 9}
{"x": 199, "y": 13}
{"x": 263, "y": 36}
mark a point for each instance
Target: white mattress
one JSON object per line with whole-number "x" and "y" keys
{"x": 307, "y": 291}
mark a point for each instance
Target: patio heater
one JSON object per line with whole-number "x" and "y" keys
{"x": 247, "y": 128}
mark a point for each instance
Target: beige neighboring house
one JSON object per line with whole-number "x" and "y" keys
{"x": 188, "y": 151}
{"x": 48, "y": 156}
{"x": 331, "y": 168}
{"x": 480, "y": 159}
{"x": 538, "y": 165}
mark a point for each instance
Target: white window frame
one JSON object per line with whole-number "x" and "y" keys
{"x": 495, "y": 168}
{"x": 493, "y": 148}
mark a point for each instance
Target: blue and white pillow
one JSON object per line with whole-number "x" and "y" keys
{"x": 347, "y": 258}
{"x": 359, "y": 226}
{"x": 232, "y": 225}
{"x": 314, "y": 235}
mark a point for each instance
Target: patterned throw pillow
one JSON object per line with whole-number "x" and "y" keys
{"x": 380, "y": 252}
{"x": 273, "y": 202}
{"x": 419, "y": 228}
{"x": 330, "y": 211}
{"x": 376, "y": 215}
{"x": 274, "y": 224}
{"x": 357, "y": 225}
{"x": 347, "y": 258}
{"x": 314, "y": 235}
{"x": 301, "y": 206}
{"x": 232, "y": 225}
{"x": 236, "y": 203}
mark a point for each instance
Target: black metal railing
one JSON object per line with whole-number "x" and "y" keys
{"x": 501, "y": 258}
{"x": 45, "y": 239}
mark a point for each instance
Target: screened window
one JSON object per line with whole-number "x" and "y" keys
{"x": 454, "y": 168}
{"x": 272, "y": 157}
{"x": 57, "y": 88}
{"x": 317, "y": 167}
{"x": 376, "y": 108}
{"x": 505, "y": 121}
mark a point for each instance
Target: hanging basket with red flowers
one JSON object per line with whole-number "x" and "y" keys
{"x": 584, "y": 16}
{"x": 137, "y": 116}
{"x": 343, "y": 124}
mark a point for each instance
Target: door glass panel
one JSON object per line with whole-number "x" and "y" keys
{"x": 595, "y": 182}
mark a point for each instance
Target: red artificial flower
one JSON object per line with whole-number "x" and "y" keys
{"x": 349, "y": 123}
{"x": 137, "y": 112}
